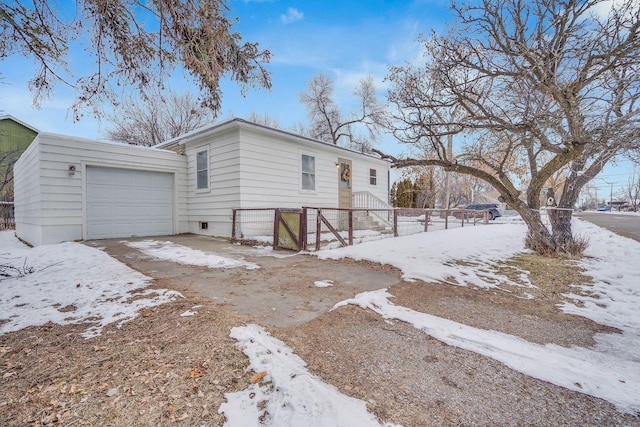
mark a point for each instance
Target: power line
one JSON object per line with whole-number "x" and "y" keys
{"x": 611, "y": 176}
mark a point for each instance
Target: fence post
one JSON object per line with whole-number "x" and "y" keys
{"x": 233, "y": 226}
{"x": 276, "y": 228}
{"x": 350, "y": 227}
{"x": 318, "y": 228}
{"x": 395, "y": 223}
{"x": 303, "y": 229}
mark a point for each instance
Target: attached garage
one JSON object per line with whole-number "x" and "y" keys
{"x": 70, "y": 188}
{"x": 128, "y": 202}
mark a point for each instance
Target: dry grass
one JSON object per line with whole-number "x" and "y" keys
{"x": 551, "y": 276}
{"x": 157, "y": 369}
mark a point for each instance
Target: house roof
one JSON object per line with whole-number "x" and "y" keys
{"x": 236, "y": 121}
{"x": 10, "y": 117}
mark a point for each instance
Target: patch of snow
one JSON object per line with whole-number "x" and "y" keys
{"x": 291, "y": 395}
{"x": 268, "y": 251}
{"x": 613, "y": 262}
{"x": 71, "y": 283}
{"x": 189, "y": 313}
{"x": 169, "y": 251}
{"x": 323, "y": 283}
{"x": 589, "y": 371}
{"x": 463, "y": 256}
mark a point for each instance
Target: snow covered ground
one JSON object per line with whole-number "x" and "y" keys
{"x": 610, "y": 370}
{"x": 71, "y": 283}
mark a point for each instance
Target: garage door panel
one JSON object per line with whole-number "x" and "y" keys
{"x": 152, "y": 228}
{"x": 98, "y": 175}
{"x": 144, "y": 195}
{"x": 101, "y": 229}
{"x": 98, "y": 192}
{"x": 118, "y": 211}
{"x": 122, "y": 195}
{"x": 125, "y": 203}
{"x": 122, "y": 177}
{"x": 147, "y": 212}
{"x": 147, "y": 180}
{"x": 151, "y": 196}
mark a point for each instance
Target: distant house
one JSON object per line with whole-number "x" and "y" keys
{"x": 68, "y": 188}
{"x": 15, "y": 137}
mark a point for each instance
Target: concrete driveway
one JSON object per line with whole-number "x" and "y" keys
{"x": 281, "y": 292}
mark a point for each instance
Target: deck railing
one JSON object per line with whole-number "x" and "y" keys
{"x": 377, "y": 206}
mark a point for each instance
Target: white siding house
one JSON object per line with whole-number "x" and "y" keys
{"x": 254, "y": 166}
{"x": 71, "y": 189}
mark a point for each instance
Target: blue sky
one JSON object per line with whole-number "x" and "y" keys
{"x": 344, "y": 39}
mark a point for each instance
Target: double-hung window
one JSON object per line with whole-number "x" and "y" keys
{"x": 202, "y": 170}
{"x": 308, "y": 172}
{"x": 373, "y": 177}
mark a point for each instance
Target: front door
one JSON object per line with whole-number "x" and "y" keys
{"x": 344, "y": 183}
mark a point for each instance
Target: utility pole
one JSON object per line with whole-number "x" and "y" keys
{"x": 447, "y": 178}
{"x": 610, "y": 195}
{"x": 611, "y": 199}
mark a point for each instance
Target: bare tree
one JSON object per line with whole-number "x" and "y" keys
{"x": 464, "y": 189}
{"x": 157, "y": 118}
{"x": 265, "y": 119}
{"x": 633, "y": 190}
{"x": 7, "y": 160}
{"x": 542, "y": 85}
{"x": 329, "y": 124}
{"x": 196, "y": 35}
{"x": 428, "y": 183}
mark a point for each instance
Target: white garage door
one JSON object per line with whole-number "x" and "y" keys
{"x": 128, "y": 203}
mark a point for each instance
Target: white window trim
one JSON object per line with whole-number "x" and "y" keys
{"x": 208, "y": 187}
{"x": 315, "y": 171}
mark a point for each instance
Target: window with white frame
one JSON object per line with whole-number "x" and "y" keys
{"x": 373, "y": 177}
{"x": 308, "y": 172}
{"x": 202, "y": 170}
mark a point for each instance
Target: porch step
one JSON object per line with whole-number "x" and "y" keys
{"x": 363, "y": 221}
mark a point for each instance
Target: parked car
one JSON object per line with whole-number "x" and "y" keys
{"x": 604, "y": 209}
{"x": 494, "y": 210}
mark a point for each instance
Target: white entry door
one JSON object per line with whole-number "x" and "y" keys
{"x": 128, "y": 203}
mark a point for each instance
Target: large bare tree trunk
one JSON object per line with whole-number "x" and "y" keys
{"x": 539, "y": 238}
{"x": 561, "y": 226}
{"x": 560, "y": 218}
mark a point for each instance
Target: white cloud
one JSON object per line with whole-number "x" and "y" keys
{"x": 603, "y": 9}
{"x": 292, "y": 15}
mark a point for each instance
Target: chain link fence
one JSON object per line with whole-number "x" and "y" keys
{"x": 333, "y": 227}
